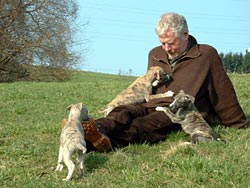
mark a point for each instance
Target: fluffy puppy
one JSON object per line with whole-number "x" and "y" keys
{"x": 72, "y": 140}
{"x": 183, "y": 111}
{"x": 138, "y": 90}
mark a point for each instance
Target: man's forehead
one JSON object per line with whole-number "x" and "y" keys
{"x": 167, "y": 38}
{"x": 168, "y": 34}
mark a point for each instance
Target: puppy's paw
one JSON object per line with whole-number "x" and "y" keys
{"x": 155, "y": 83}
{"x": 65, "y": 179}
{"x": 169, "y": 93}
{"x": 197, "y": 138}
{"x": 160, "y": 108}
{"x": 82, "y": 173}
{"x": 59, "y": 167}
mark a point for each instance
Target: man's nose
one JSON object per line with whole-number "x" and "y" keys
{"x": 166, "y": 47}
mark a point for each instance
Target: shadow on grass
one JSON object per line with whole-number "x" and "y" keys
{"x": 95, "y": 160}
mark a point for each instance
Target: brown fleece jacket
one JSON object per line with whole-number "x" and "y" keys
{"x": 200, "y": 73}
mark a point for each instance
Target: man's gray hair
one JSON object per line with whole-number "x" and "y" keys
{"x": 171, "y": 21}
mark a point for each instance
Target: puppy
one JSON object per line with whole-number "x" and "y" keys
{"x": 183, "y": 111}
{"x": 72, "y": 140}
{"x": 138, "y": 90}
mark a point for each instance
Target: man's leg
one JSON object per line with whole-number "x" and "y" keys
{"x": 134, "y": 124}
{"x": 152, "y": 128}
{"x": 119, "y": 121}
{"x": 97, "y": 132}
{"x": 128, "y": 125}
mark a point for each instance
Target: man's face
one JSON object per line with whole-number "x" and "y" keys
{"x": 172, "y": 45}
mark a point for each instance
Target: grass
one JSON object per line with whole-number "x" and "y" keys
{"x": 30, "y": 126}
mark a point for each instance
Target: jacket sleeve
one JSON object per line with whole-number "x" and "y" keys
{"x": 222, "y": 94}
{"x": 151, "y": 59}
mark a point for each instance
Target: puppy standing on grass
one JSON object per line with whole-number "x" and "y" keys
{"x": 72, "y": 140}
{"x": 183, "y": 111}
{"x": 138, "y": 90}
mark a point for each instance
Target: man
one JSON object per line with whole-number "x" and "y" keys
{"x": 195, "y": 68}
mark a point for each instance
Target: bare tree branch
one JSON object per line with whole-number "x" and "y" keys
{"x": 38, "y": 32}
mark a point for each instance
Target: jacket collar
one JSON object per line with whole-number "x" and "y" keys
{"x": 193, "y": 52}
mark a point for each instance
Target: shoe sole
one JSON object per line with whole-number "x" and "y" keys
{"x": 93, "y": 135}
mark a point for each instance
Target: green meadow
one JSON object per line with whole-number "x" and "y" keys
{"x": 30, "y": 126}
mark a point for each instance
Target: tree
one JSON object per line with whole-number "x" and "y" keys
{"x": 237, "y": 62}
{"x": 228, "y": 62}
{"x": 246, "y": 63}
{"x": 37, "y": 32}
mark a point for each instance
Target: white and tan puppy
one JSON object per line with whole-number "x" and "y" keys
{"x": 72, "y": 140}
{"x": 138, "y": 90}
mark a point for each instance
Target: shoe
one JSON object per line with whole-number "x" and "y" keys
{"x": 93, "y": 135}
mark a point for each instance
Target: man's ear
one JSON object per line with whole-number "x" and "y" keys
{"x": 186, "y": 35}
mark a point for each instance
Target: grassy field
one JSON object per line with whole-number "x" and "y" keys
{"x": 30, "y": 126}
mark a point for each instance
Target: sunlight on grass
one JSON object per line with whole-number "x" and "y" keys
{"x": 30, "y": 126}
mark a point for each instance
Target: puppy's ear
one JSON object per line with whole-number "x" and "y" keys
{"x": 64, "y": 121}
{"x": 192, "y": 99}
{"x": 181, "y": 91}
{"x": 80, "y": 105}
{"x": 68, "y": 107}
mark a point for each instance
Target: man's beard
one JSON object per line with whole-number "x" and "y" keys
{"x": 172, "y": 56}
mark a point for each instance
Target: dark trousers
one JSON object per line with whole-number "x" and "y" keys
{"x": 136, "y": 124}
